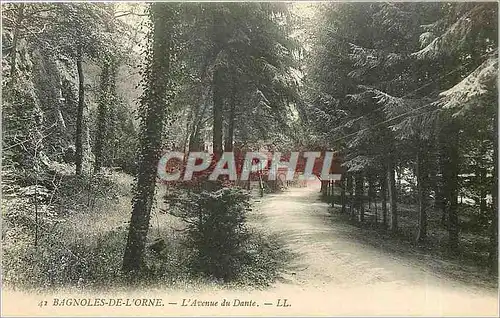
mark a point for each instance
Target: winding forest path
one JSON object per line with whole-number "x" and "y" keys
{"x": 337, "y": 267}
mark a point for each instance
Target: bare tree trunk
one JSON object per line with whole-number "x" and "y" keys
{"x": 218, "y": 84}
{"x": 332, "y": 201}
{"x": 493, "y": 253}
{"x": 194, "y": 140}
{"x": 442, "y": 202}
{"x": 102, "y": 111}
{"x": 230, "y": 128}
{"x": 79, "y": 116}
{"x": 218, "y": 107}
{"x": 370, "y": 191}
{"x": 342, "y": 194}
{"x": 450, "y": 178}
{"x": 437, "y": 188}
{"x": 197, "y": 124}
{"x": 391, "y": 182}
{"x": 371, "y": 195}
{"x": 154, "y": 101}
{"x": 351, "y": 194}
{"x": 360, "y": 195}
{"x": 422, "y": 184}
{"x": 453, "y": 207}
{"x": 383, "y": 193}
{"x": 189, "y": 121}
{"x": 482, "y": 179}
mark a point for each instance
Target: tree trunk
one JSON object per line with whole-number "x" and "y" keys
{"x": 359, "y": 196}
{"x": 332, "y": 201}
{"x": 450, "y": 179}
{"x": 342, "y": 194}
{"x": 194, "y": 127}
{"x": 371, "y": 191}
{"x": 79, "y": 116}
{"x": 383, "y": 194}
{"x": 493, "y": 253}
{"x": 453, "y": 209}
{"x": 371, "y": 195}
{"x": 102, "y": 114}
{"x": 437, "y": 188}
{"x": 422, "y": 184}
{"x": 218, "y": 83}
{"x": 106, "y": 100}
{"x": 442, "y": 207}
{"x": 350, "y": 187}
{"x": 154, "y": 103}
{"x": 185, "y": 144}
{"x": 391, "y": 182}
{"x": 218, "y": 108}
{"x": 399, "y": 176}
{"x": 194, "y": 140}
{"x": 230, "y": 125}
{"x": 482, "y": 180}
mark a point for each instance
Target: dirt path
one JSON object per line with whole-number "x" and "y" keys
{"x": 332, "y": 261}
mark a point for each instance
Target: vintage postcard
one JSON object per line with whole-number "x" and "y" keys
{"x": 249, "y": 159}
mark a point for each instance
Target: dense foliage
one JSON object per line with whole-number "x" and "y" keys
{"x": 94, "y": 93}
{"x": 407, "y": 92}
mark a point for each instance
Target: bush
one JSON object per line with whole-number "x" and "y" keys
{"x": 221, "y": 245}
{"x": 216, "y": 231}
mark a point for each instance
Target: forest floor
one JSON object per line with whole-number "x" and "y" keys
{"x": 348, "y": 270}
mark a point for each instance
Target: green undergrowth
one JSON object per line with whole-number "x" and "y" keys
{"x": 79, "y": 237}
